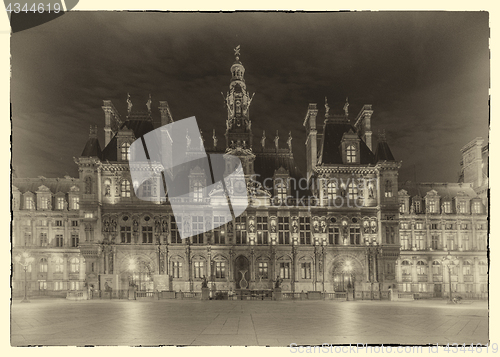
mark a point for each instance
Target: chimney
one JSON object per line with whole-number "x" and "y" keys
{"x": 111, "y": 121}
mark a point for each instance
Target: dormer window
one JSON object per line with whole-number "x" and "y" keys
{"x": 281, "y": 190}
{"x": 446, "y": 207}
{"x": 476, "y": 207}
{"x": 44, "y": 203}
{"x": 353, "y": 191}
{"x": 198, "y": 191}
{"x": 29, "y": 202}
{"x": 351, "y": 154}
{"x": 125, "y": 152}
{"x": 60, "y": 203}
{"x": 331, "y": 190}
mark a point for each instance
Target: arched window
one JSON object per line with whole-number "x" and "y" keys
{"x": 421, "y": 267}
{"x": 125, "y": 152}
{"x": 436, "y": 268}
{"x": 59, "y": 265}
{"x": 406, "y": 267}
{"x": 351, "y": 154}
{"x": 388, "y": 188}
{"x": 281, "y": 189}
{"x": 353, "y": 191}
{"x": 466, "y": 268}
{"x": 74, "y": 265}
{"x": 198, "y": 191}
{"x": 147, "y": 189}
{"x": 43, "y": 265}
{"x": 125, "y": 188}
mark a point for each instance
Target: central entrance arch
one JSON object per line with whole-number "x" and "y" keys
{"x": 241, "y": 272}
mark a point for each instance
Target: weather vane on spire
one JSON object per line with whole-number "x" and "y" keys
{"x": 237, "y": 52}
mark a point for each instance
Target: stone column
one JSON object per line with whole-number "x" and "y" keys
{"x": 414, "y": 275}
{"x": 443, "y": 234}
{"x": 459, "y": 236}
{"x": 412, "y": 235}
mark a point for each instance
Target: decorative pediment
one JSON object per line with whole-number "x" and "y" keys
{"x": 403, "y": 193}
{"x": 281, "y": 172}
{"x": 43, "y": 188}
{"x": 197, "y": 171}
{"x": 432, "y": 193}
{"x": 74, "y": 189}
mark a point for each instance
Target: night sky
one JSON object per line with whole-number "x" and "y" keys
{"x": 425, "y": 73}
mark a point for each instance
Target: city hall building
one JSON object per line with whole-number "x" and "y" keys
{"x": 343, "y": 226}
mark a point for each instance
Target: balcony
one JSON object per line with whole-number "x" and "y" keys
{"x": 437, "y": 278}
{"x": 422, "y": 278}
{"x": 406, "y": 278}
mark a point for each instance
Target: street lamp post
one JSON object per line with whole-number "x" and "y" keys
{"x": 25, "y": 260}
{"x": 449, "y": 261}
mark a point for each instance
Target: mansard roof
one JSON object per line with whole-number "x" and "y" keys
{"x": 331, "y": 148}
{"x": 139, "y": 126}
{"x": 444, "y": 190}
{"x": 55, "y": 185}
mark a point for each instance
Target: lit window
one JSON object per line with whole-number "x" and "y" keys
{"x": 198, "y": 191}
{"x": 436, "y": 267}
{"x": 406, "y": 267}
{"x": 421, "y": 267}
{"x": 126, "y": 234}
{"x": 331, "y": 190}
{"x": 199, "y": 271}
{"x": 75, "y": 203}
{"x": 125, "y": 188}
{"x": 74, "y": 240}
{"x": 281, "y": 190}
{"x": 305, "y": 230}
{"x": 305, "y": 270}
{"x": 198, "y": 230}
{"x": 220, "y": 270}
{"x": 44, "y": 203}
{"x": 283, "y": 230}
{"x": 333, "y": 235}
{"x": 285, "y": 270}
{"x": 447, "y": 207}
{"x": 262, "y": 230}
{"x": 177, "y": 269}
{"x": 89, "y": 215}
{"x": 353, "y": 191}
{"x": 263, "y": 270}
{"x": 219, "y": 232}
{"x": 60, "y": 203}
{"x": 147, "y": 234}
{"x": 125, "y": 151}
{"x": 174, "y": 230}
{"x": 241, "y": 230}
{"x": 29, "y": 203}
{"x": 405, "y": 242}
{"x": 476, "y": 206}
{"x": 351, "y": 154}
{"x": 355, "y": 235}
{"x": 43, "y": 265}
{"x": 74, "y": 265}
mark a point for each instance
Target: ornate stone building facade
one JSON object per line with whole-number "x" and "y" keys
{"x": 335, "y": 229}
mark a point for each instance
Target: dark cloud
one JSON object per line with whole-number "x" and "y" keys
{"x": 425, "y": 73}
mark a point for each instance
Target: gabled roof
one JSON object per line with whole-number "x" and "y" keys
{"x": 331, "y": 144}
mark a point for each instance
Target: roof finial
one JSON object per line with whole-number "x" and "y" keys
{"x": 263, "y": 140}
{"x": 276, "y": 141}
{"x": 215, "y": 139}
{"x": 327, "y": 108}
{"x": 93, "y": 131}
{"x": 381, "y": 135}
{"x": 289, "y": 141}
{"x": 346, "y": 106}
{"x": 148, "y": 103}
{"x": 129, "y": 103}
{"x": 237, "y": 52}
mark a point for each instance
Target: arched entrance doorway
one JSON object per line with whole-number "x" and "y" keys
{"x": 241, "y": 272}
{"x": 139, "y": 273}
{"x": 346, "y": 272}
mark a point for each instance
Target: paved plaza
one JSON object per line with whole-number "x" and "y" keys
{"x": 251, "y": 323}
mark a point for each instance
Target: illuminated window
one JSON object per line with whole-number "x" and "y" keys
{"x": 220, "y": 270}
{"x": 43, "y": 239}
{"x": 421, "y": 267}
{"x": 405, "y": 267}
{"x": 263, "y": 270}
{"x": 177, "y": 269}
{"x": 477, "y": 207}
{"x": 198, "y": 230}
{"x": 353, "y": 191}
{"x": 147, "y": 234}
{"x": 405, "y": 242}
{"x": 305, "y": 230}
{"x": 174, "y": 230}
{"x": 281, "y": 190}
{"x": 198, "y": 191}
{"x": 125, "y": 152}
{"x": 284, "y": 230}
{"x": 446, "y": 207}
{"x": 29, "y": 203}
{"x": 241, "y": 232}
{"x": 74, "y": 264}
{"x": 262, "y": 230}
{"x": 333, "y": 235}
{"x": 285, "y": 270}
{"x": 75, "y": 203}
{"x": 305, "y": 270}
{"x": 351, "y": 154}
{"x": 436, "y": 268}
{"x": 44, "y": 203}
{"x": 355, "y": 235}
{"x": 199, "y": 270}
{"x": 125, "y": 188}
{"x": 331, "y": 190}
{"x": 43, "y": 265}
{"x": 219, "y": 232}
